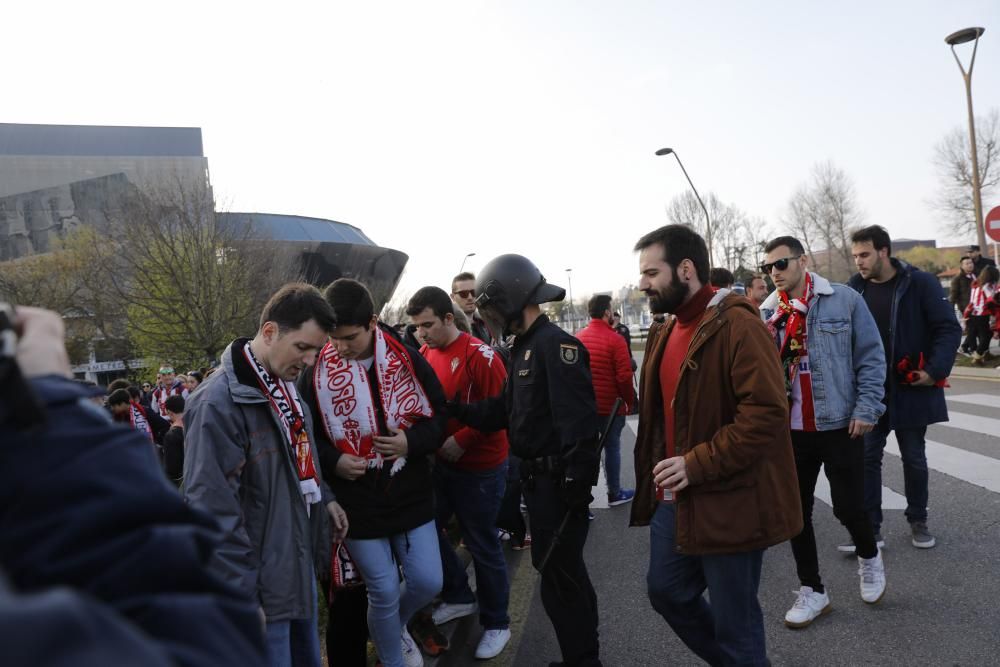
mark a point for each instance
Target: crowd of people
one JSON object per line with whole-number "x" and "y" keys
{"x": 330, "y": 451}
{"x": 974, "y": 293}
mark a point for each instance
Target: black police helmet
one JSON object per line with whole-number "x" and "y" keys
{"x": 508, "y": 283}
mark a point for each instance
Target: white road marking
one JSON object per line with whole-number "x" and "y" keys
{"x": 974, "y": 423}
{"x": 967, "y": 466}
{"x": 987, "y": 400}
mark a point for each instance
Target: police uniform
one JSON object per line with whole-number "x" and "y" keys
{"x": 551, "y": 410}
{"x": 548, "y": 408}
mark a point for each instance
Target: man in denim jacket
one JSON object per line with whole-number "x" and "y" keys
{"x": 834, "y": 369}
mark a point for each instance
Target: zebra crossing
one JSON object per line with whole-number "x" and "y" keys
{"x": 948, "y": 456}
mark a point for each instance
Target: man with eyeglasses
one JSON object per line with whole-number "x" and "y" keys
{"x": 834, "y": 369}
{"x": 463, "y": 292}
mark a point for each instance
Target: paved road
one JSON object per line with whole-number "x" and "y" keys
{"x": 941, "y": 607}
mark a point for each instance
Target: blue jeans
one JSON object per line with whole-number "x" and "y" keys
{"x": 294, "y": 643}
{"x": 915, "y": 477}
{"x": 474, "y": 499}
{"x": 613, "y": 453}
{"x": 730, "y": 629}
{"x": 392, "y": 604}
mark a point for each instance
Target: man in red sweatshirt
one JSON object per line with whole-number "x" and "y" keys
{"x": 715, "y": 475}
{"x": 470, "y": 472}
{"x": 611, "y": 369}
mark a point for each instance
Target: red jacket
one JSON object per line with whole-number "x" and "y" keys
{"x": 609, "y": 366}
{"x": 470, "y": 371}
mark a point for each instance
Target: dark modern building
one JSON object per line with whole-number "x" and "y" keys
{"x": 54, "y": 178}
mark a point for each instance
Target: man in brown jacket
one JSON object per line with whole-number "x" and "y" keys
{"x": 714, "y": 469}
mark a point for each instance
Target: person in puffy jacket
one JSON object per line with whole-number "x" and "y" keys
{"x": 611, "y": 370}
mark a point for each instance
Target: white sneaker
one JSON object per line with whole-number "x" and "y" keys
{"x": 492, "y": 643}
{"x": 445, "y": 612}
{"x": 872, "y": 572}
{"x": 411, "y": 652}
{"x": 808, "y": 605}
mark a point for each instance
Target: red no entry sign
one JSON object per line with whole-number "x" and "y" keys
{"x": 992, "y": 223}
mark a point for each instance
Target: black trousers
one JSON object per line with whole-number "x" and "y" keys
{"x": 347, "y": 628}
{"x": 843, "y": 460}
{"x": 567, "y": 594}
{"x": 979, "y": 332}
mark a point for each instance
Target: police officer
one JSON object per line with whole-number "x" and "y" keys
{"x": 550, "y": 414}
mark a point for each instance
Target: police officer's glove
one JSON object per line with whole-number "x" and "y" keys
{"x": 580, "y": 476}
{"x": 456, "y": 410}
{"x": 576, "y": 493}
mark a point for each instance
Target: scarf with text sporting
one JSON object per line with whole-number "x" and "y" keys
{"x": 137, "y": 417}
{"x": 347, "y": 404}
{"x": 791, "y": 312}
{"x": 285, "y": 402}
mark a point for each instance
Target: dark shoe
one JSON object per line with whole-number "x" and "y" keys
{"x": 922, "y": 538}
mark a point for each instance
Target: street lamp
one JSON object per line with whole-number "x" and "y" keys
{"x": 462, "y": 268}
{"x": 961, "y": 37}
{"x": 708, "y": 221}
{"x": 569, "y": 280}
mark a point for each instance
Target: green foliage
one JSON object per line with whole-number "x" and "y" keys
{"x": 932, "y": 260}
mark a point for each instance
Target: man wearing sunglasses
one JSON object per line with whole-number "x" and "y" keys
{"x": 463, "y": 292}
{"x": 834, "y": 369}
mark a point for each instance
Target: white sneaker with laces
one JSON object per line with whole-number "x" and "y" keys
{"x": 872, "y": 573}
{"x": 411, "y": 652}
{"x": 492, "y": 643}
{"x": 808, "y": 606}
{"x": 445, "y": 612}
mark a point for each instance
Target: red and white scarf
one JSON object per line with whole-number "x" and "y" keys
{"x": 288, "y": 409}
{"x": 161, "y": 394}
{"x": 793, "y": 313}
{"x": 347, "y": 404}
{"x": 137, "y": 418}
{"x": 980, "y": 299}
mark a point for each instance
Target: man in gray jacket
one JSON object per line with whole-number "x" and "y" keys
{"x": 251, "y": 462}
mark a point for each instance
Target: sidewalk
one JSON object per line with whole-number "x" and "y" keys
{"x": 464, "y": 634}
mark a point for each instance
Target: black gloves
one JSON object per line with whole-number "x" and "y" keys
{"x": 580, "y": 475}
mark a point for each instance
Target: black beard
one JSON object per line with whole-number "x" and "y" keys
{"x": 670, "y": 299}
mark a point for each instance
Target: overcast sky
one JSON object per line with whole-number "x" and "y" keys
{"x": 443, "y": 128}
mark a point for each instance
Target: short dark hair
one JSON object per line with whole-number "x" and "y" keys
{"x": 120, "y": 383}
{"x": 351, "y": 301}
{"x": 197, "y": 376}
{"x": 431, "y": 297}
{"x": 119, "y": 396}
{"x": 174, "y": 404}
{"x": 790, "y": 242}
{"x": 721, "y": 277}
{"x": 295, "y": 304}
{"x": 598, "y": 304}
{"x": 754, "y": 277}
{"x": 679, "y": 242}
{"x": 133, "y": 392}
{"x": 963, "y": 258}
{"x": 877, "y": 234}
{"x": 464, "y": 275}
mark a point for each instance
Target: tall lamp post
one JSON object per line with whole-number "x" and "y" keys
{"x": 708, "y": 221}
{"x": 961, "y": 37}
{"x": 462, "y": 268}
{"x": 569, "y": 280}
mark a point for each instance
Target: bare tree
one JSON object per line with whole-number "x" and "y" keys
{"x": 953, "y": 160}
{"x": 189, "y": 281}
{"x": 821, "y": 213}
{"x": 728, "y": 225}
